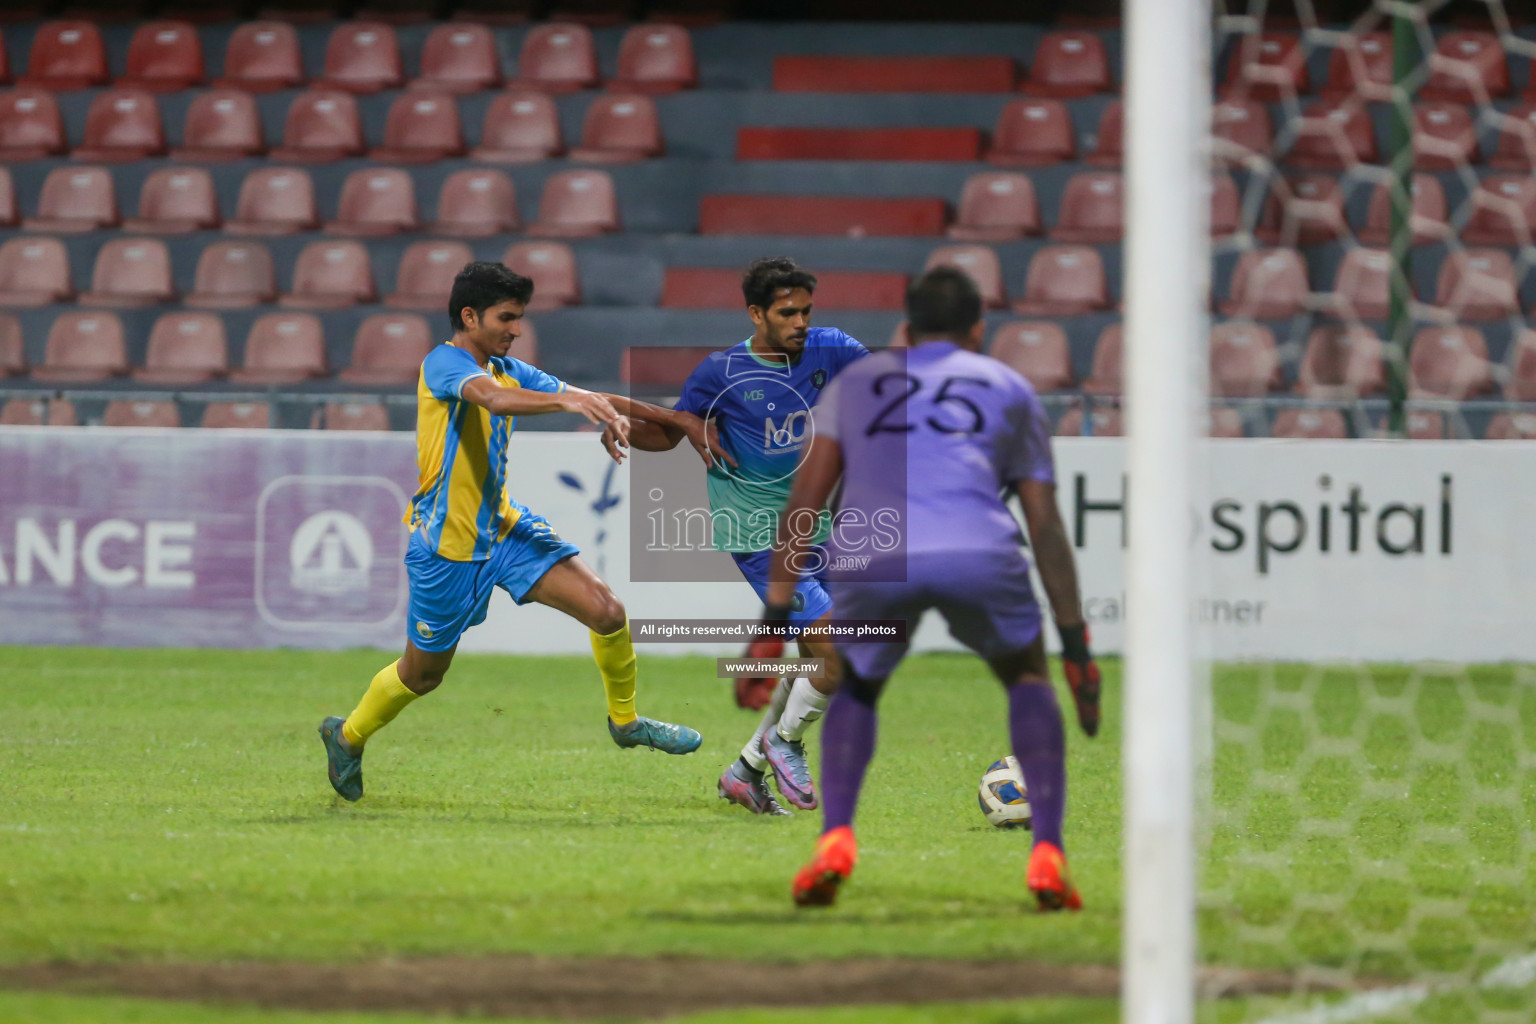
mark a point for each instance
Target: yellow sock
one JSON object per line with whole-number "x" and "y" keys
{"x": 615, "y": 657}
{"x": 385, "y": 697}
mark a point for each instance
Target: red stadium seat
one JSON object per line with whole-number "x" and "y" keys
{"x": 918, "y": 144}
{"x": 263, "y": 56}
{"x": 557, "y": 57}
{"x": 1467, "y": 67}
{"x": 1223, "y": 421}
{"x": 996, "y": 207}
{"x": 34, "y": 272}
{"x": 656, "y": 59}
{"x": 331, "y": 275}
{"x": 1241, "y": 129}
{"x": 1429, "y": 220}
{"x": 1109, "y": 141}
{"x": 520, "y": 127}
{"x": 1303, "y": 209}
{"x": 1341, "y": 363}
{"x": 1267, "y": 67}
{"x": 659, "y": 369}
{"x": 459, "y": 58}
{"x": 38, "y": 412}
{"x": 377, "y": 201}
{"x": 1362, "y": 284}
{"x": 1038, "y": 350}
{"x": 322, "y": 125}
{"x": 1512, "y": 427}
{"x": 1070, "y": 63}
{"x": 222, "y": 124}
{"x": 1267, "y": 284}
{"x": 164, "y": 56}
{"x": 474, "y": 203}
{"x": 1504, "y": 211}
{"x": 1332, "y": 135}
{"x": 1422, "y": 425}
{"x": 1107, "y": 374}
{"x": 83, "y": 347}
{"x": 1444, "y": 137}
{"x": 1064, "y": 280}
{"x": 426, "y": 274}
{"x": 1361, "y": 64}
{"x": 1520, "y": 385}
{"x": 75, "y": 199}
{"x": 362, "y": 57}
{"x": 980, "y": 263}
{"x": 577, "y": 204}
{"x": 620, "y": 128}
{"x": 1449, "y": 362}
{"x": 388, "y": 349}
{"x": 356, "y": 416}
{"x": 1226, "y": 205}
{"x": 122, "y": 125}
{"x": 13, "y": 348}
{"x": 1244, "y": 361}
{"x": 700, "y": 288}
{"x": 30, "y": 125}
{"x": 274, "y": 201}
{"x": 422, "y": 127}
{"x": 855, "y": 217}
{"x": 552, "y": 267}
{"x": 283, "y": 348}
{"x": 237, "y": 416}
{"x": 131, "y": 272}
{"x": 185, "y": 348}
{"x": 66, "y": 55}
{"x": 176, "y": 200}
{"x": 1311, "y": 424}
{"x": 5, "y": 64}
{"x": 1478, "y": 284}
{"x": 1031, "y": 133}
{"x": 893, "y": 74}
{"x": 1105, "y": 422}
{"x": 232, "y": 275}
{"x": 129, "y": 412}
{"x": 1092, "y": 209}
{"x": 1516, "y": 148}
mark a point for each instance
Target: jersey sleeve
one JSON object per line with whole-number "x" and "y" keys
{"x": 700, "y": 389}
{"x": 849, "y": 350}
{"x": 533, "y": 378}
{"x": 446, "y": 369}
{"x": 1030, "y": 453}
{"x": 824, "y": 413}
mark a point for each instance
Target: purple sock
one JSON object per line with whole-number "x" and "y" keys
{"x": 1039, "y": 745}
{"x": 847, "y": 744}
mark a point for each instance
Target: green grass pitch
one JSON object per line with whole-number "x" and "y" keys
{"x": 171, "y": 805}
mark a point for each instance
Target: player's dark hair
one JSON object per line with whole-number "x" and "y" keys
{"x": 944, "y": 303}
{"x": 765, "y": 277}
{"x": 482, "y": 285}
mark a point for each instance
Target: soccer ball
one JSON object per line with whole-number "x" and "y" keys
{"x": 1002, "y": 796}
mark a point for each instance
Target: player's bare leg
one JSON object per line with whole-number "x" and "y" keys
{"x": 782, "y": 744}
{"x": 570, "y": 586}
{"x": 417, "y": 672}
{"x": 1039, "y": 745}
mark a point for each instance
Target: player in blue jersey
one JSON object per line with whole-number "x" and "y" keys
{"x": 759, "y": 394}
{"x": 468, "y": 536}
{"x": 940, "y": 433}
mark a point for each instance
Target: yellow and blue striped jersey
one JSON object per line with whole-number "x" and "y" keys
{"x": 462, "y": 507}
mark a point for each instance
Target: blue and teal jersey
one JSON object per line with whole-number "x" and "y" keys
{"x": 762, "y": 409}
{"x": 462, "y": 507}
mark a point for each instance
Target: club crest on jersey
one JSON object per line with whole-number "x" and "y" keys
{"x": 819, "y": 379}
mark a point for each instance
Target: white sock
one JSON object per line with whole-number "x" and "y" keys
{"x": 752, "y": 753}
{"x": 806, "y": 704}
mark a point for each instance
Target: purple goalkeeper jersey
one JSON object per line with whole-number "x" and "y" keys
{"x": 931, "y": 438}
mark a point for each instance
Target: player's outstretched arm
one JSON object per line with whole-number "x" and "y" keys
{"x": 1058, "y": 571}
{"x": 817, "y": 476}
{"x": 658, "y": 429}
{"x": 485, "y": 392}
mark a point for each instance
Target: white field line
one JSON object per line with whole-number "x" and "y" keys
{"x": 1516, "y": 972}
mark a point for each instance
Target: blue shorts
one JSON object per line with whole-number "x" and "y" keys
{"x": 448, "y": 597}
{"x": 811, "y": 598}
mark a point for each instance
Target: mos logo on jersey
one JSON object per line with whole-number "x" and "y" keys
{"x": 331, "y": 553}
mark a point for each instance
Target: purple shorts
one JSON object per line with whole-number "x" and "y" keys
{"x": 985, "y": 596}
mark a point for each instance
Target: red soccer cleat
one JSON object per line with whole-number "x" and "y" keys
{"x": 1050, "y": 880}
{"x": 836, "y": 854}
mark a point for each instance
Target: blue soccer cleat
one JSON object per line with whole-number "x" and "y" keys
{"x": 662, "y": 736}
{"x": 344, "y": 768}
